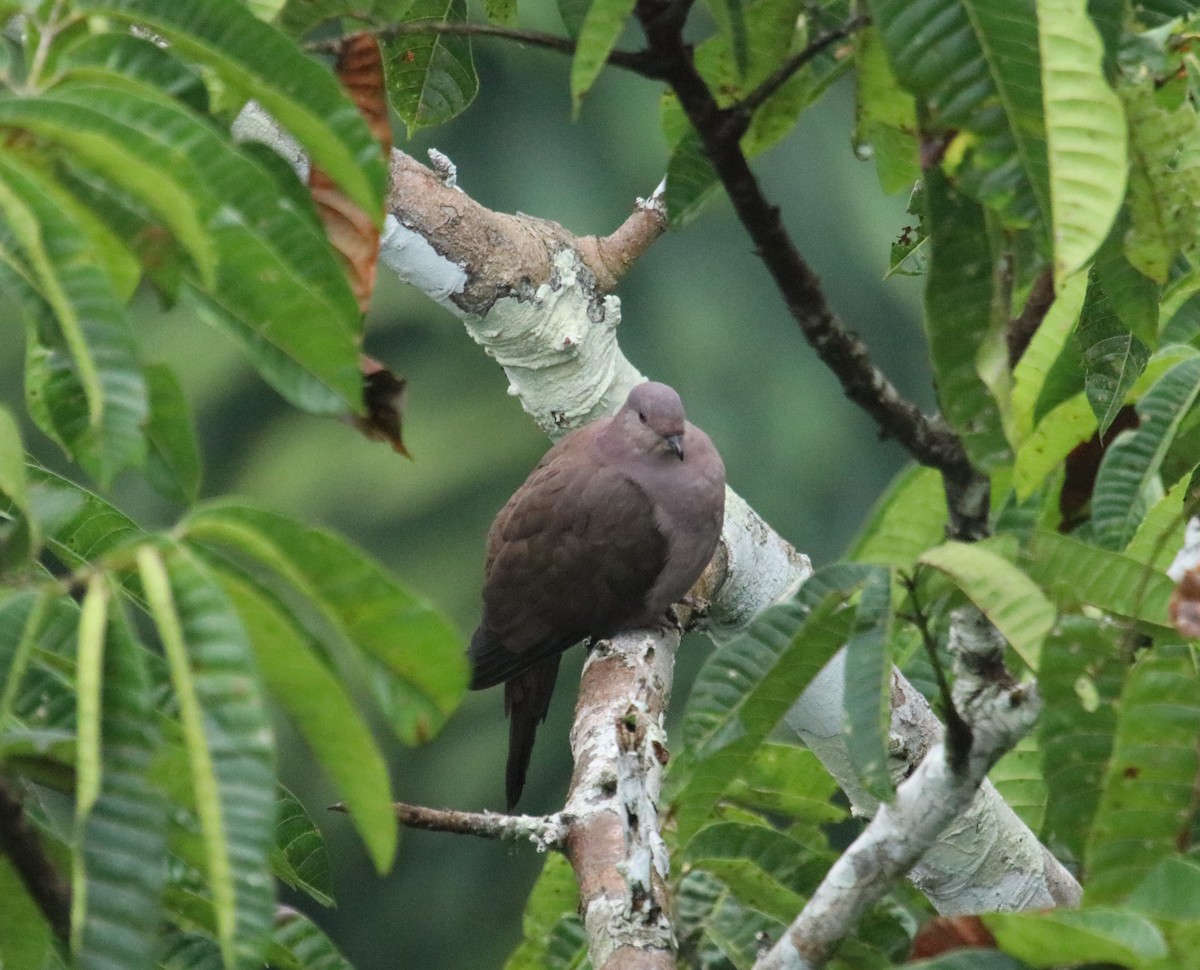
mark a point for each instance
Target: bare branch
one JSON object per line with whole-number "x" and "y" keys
{"x": 930, "y": 440}
{"x": 639, "y": 62}
{"x": 546, "y": 832}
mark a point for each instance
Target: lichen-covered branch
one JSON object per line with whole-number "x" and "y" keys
{"x": 999, "y": 712}
{"x": 544, "y": 832}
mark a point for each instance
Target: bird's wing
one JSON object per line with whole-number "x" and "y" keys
{"x": 571, "y": 555}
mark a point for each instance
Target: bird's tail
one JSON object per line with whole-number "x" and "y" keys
{"x": 526, "y": 701}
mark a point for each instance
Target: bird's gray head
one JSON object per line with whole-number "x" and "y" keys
{"x": 653, "y": 416}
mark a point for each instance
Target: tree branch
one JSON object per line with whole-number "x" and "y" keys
{"x": 639, "y": 62}
{"x": 999, "y": 712}
{"x": 21, "y": 843}
{"x": 545, "y": 832}
{"x": 552, "y": 327}
{"x": 930, "y": 440}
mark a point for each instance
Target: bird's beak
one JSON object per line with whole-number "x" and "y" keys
{"x": 675, "y": 442}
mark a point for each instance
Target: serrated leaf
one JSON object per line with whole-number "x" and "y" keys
{"x": 228, "y": 739}
{"x": 959, "y": 318}
{"x": 1002, "y": 592}
{"x": 430, "y": 77}
{"x": 746, "y": 687}
{"x": 122, "y": 860}
{"x": 325, "y": 714}
{"x": 1146, "y": 802}
{"x": 598, "y": 35}
{"x": 1085, "y": 134}
{"x": 173, "y": 462}
{"x": 299, "y": 857}
{"x": 260, "y": 62}
{"x": 422, "y": 655}
{"x": 977, "y": 67}
{"x": 1063, "y": 936}
{"x": 1135, "y": 457}
{"x": 84, "y": 385}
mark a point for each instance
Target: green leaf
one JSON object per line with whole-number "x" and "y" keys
{"x": 100, "y": 56}
{"x": 1001, "y": 591}
{"x": 787, "y": 780}
{"x": 299, "y": 857}
{"x": 714, "y": 927}
{"x": 324, "y": 713}
{"x": 502, "y": 12}
{"x": 430, "y": 77}
{"x": 959, "y": 318}
{"x": 22, "y": 616}
{"x": 598, "y": 35}
{"x": 1073, "y": 572}
{"x": 302, "y": 330}
{"x": 19, "y": 531}
{"x": 25, "y": 940}
{"x": 1065, "y": 936}
{"x": 1029, "y": 376}
{"x": 1160, "y": 535}
{"x": 553, "y": 937}
{"x": 84, "y": 385}
{"x": 1135, "y": 457}
{"x": 89, "y": 664}
{"x": 970, "y": 959}
{"x": 885, "y": 119}
{"x": 730, "y": 17}
{"x": 122, "y": 860}
{"x": 420, "y": 651}
{"x": 1112, "y": 357}
{"x": 173, "y": 462}
{"x": 1085, "y": 134}
{"x": 746, "y": 687}
{"x": 1164, "y": 178}
{"x": 1135, "y": 297}
{"x": 80, "y": 526}
{"x": 228, "y": 739}
{"x": 908, "y": 519}
{"x": 867, "y": 695}
{"x": 975, "y": 64}
{"x": 1146, "y": 803}
{"x": 1171, "y": 892}
{"x": 1019, "y": 780}
{"x": 1080, "y": 681}
{"x": 765, "y": 869}
{"x": 305, "y": 943}
{"x": 775, "y": 29}
{"x": 259, "y": 62}
{"x": 572, "y": 13}
{"x": 298, "y": 17}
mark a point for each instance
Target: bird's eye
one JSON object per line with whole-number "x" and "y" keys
{"x": 642, "y": 416}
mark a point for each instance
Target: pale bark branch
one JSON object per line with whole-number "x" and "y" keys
{"x": 524, "y": 291}
{"x": 998, "y": 712}
{"x": 544, "y": 832}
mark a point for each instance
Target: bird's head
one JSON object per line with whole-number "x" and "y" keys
{"x": 654, "y": 419}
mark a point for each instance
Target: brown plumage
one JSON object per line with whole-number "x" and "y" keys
{"x": 615, "y": 524}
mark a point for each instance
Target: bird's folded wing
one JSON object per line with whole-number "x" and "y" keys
{"x": 571, "y": 556}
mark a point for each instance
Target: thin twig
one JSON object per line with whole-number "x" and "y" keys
{"x": 756, "y": 98}
{"x": 639, "y": 62}
{"x": 958, "y": 731}
{"x": 21, "y": 843}
{"x": 929, "y": 439}
{"x": 544, "y": 831}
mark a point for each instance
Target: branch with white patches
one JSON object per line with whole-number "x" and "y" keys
{"x": 537, "y": 299}
{"x": 998, "y": 712}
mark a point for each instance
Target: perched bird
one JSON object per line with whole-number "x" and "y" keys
{"x": 613, "y": 526}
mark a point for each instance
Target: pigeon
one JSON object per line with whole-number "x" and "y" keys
{"x": 614, "y": 525}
